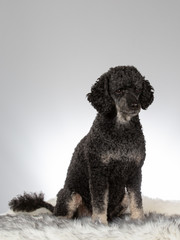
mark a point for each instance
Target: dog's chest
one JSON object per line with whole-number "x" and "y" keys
{"x": 124, "y": 152}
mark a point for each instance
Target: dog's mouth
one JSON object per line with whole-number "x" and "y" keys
{"x": 126, "y": 116}
{"x": 130, "y": 113}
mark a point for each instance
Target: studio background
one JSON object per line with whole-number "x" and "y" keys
{"x": 51, "y": 53}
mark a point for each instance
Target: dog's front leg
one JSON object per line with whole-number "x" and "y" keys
{"x": 99, "y": 193}
{"x": 134, "y": 191}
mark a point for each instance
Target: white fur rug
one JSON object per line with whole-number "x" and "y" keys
{"x": 162, "y": 222}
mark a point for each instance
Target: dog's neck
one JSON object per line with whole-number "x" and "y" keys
{"x": 122, "y": 119}
{"x": 114, "y": 124}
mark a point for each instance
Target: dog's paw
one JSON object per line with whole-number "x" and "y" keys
{"x": 139, "y": 215}
{"x": 99, "y": 219}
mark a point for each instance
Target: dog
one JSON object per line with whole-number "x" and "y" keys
{"x": 104, "y": 176}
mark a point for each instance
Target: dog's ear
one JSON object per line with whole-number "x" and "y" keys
{"x": 147, "y": 95}
{"x": 99, "y": 96}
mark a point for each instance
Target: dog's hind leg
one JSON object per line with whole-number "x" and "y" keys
{"x": 67, "y": 203}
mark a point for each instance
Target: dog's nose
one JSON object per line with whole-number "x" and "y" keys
{"x": 132, "y": 102}
{"x": 134, "y": 106}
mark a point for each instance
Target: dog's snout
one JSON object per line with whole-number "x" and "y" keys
{"x": 134, "y": 106}
{"x": 132, "y": 102}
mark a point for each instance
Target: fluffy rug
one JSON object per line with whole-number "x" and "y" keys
{"x": 162, "y": 222}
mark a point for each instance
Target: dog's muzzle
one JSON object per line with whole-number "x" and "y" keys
{"x": 127, "y": 107}
{"x": 132, "y": 103}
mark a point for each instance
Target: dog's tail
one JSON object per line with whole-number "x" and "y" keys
{"x": 29, "y": 203}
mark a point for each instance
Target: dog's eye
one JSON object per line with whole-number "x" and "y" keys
{"x": 119, "y": 91}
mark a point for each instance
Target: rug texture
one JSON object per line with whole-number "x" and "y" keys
{"x": 162, "y": 222}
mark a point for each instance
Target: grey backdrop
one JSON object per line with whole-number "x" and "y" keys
{"x": 51, "y": 52}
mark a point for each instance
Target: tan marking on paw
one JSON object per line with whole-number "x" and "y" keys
{"x": 73, "y": 204}
{"x": 101, "y": 217}
{"x": 125, "y": 203}
{"x": 136, "y": 213}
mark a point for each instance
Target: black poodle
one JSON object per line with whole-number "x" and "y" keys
{"x": 106, "y": 166}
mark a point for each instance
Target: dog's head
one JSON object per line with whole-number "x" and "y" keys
{"x": 121, "y": 92}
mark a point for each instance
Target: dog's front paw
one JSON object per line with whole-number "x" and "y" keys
{"x": 100, "y": 218}
{"x": 137, "y": 214}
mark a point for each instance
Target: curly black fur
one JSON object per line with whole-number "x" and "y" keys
{"x": 108, "y": 160}
{"x": 29, "y": 202}
{"x": 99, "y": 96}
{"x": 146, "y": 97}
